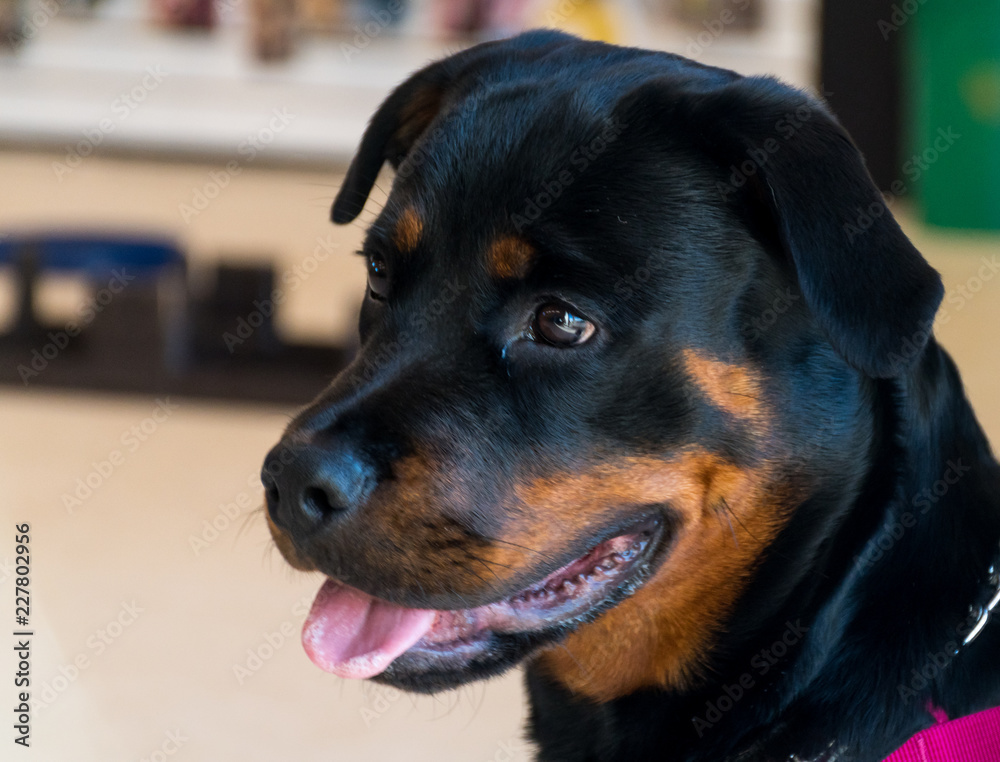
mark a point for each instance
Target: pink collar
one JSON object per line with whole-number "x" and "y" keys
{"x": 975, "y": 738}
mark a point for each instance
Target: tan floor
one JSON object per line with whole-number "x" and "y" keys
{"x": 204, "y": 612}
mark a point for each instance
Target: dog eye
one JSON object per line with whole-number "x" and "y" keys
{"x": 561, "y": 328}
{"x": 378, "y": 279}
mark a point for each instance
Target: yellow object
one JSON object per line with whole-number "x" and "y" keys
{"x": 590, "y": 19}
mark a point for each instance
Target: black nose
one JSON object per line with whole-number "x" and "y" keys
{"x": 308, "y": 487}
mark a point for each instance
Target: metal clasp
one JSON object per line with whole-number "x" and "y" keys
{"x": 985, "y": 611}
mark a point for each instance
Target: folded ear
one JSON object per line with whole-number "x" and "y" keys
{"x": 410, "y": 109}
{"x": 399, "y": 122}
{"x": 871, "y": 291}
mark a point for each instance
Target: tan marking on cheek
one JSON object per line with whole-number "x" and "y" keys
{"x": 510, "y": 257}
{"x": 287, "y": 549}
{"x": 409, "y": 227}
{"x": 661, "y": 636}
{"x": 734, "y": 388}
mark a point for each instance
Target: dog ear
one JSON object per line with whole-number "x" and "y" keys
{"x": 399, "y": 122}
{"x": 872, "y": 292}
{"x": 411, "y": 108}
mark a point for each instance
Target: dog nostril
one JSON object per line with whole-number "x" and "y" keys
{"x": 317, "y": 502}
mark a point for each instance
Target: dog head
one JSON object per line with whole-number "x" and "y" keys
{"x": 623, "y": 318}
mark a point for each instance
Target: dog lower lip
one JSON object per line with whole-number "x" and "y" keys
{"x": 565, "y": 595}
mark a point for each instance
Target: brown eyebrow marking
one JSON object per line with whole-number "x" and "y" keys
{"x": 408, "y": 229}
{"x": 736, "y": 389}
{"x": 510, "y": 257}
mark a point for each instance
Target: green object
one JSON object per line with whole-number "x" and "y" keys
{"x": 954, "y": 166}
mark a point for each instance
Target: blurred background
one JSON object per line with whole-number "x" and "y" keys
{"x": 171, "y": 289}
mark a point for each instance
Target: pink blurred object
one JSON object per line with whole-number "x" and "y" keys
{"x": 185, "y": 14}
{"x": 489, "y": 17}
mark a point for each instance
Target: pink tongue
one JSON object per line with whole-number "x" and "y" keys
{"x": 352, "y": 634}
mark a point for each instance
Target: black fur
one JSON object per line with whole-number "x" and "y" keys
{"x": 724, "y": 192}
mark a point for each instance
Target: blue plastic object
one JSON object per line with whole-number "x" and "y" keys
{"x": 92, "y": 255}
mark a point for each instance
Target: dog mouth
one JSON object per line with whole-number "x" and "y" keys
{"x": 355, "y": 635}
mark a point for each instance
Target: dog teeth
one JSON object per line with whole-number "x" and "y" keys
{"x": 603, "y": 569}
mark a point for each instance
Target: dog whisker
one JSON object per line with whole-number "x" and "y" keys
{"x": 727, "y": 515}
{"x": 498, "y": 540}
{"x": 247, "y": 520}
{"x": 729, "y": 512}
{"x": 488, "y": 568}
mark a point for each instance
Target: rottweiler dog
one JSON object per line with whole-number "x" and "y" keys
{"x": 647, "y": 400}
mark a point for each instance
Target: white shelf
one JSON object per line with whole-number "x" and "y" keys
{"x": 209, "y": 96}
